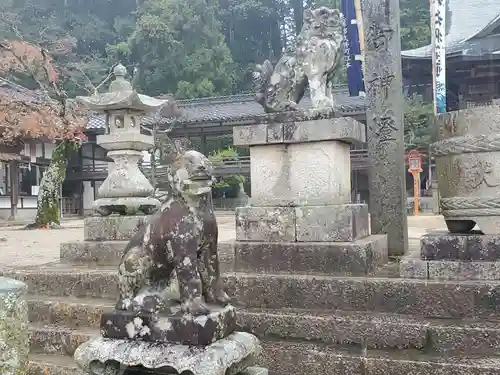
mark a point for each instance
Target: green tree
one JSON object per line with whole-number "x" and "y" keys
{"x": 416, "y": 122}
{"x": 179, "y": 48}
{"x": 415, "y": 23}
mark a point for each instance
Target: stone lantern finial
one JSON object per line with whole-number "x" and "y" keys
{"x": 120, "y": 83}
{"x": 120, "y": 71}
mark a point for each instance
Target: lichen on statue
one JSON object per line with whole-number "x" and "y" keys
{"x": 314, "y": 63}
{"x": 48, "y": 196}
{"x": 179, "y": 241}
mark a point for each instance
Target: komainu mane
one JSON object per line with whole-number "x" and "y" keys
{"x": 314, "y": 63}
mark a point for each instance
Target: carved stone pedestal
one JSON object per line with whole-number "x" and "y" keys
{"x": 467, "y": 166}
{"x": 450, "y": 256}
{"x": 175, "y": 328}
{"x": 300, "y": 217}
{"x": 228, "y": 356}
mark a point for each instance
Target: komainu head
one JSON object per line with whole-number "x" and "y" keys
{"x": 192, "y": 173}
{"x": 323, "y": 22}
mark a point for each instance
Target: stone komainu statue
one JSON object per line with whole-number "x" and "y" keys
{"x": 179, "y": 241}
{"x": 316, "y": 60}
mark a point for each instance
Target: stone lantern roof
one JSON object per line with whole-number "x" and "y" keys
{"x": 121, "y": 95}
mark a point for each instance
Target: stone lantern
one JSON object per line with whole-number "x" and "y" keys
{"x": 126, "y": 190}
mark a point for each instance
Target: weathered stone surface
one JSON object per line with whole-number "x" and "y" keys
{"x": 339, "y": 223}
{"x": 478, "y": 339}
{"x": 284, "y": 175}
{"x": 290, "y": 358}
{"x": 68, "y": 281}
{"x": 427, "y": 298}
{"x": 224, "y": 357}
{"x": 450, "y": 246}
{"x": 68, "y": 312}
{"x": 345, "y": 129}
{"x": 430, "y": 298}
{"x": 467, "y": 161}
{"x": 463, "y": 270}
{"x": 413, "y": 269}
{"x": 110, "y": 253}
{"x": 358, "y": 258}
{"x": 450, "y": 270}
{"x": 112, "y": 227}
{"x": 254, "y": 370}
{"x": 315, "y": 61}
{"x": 64, "y": 365}
{"x": 93, "y": 252}
{"x": 175, "y": 329}
{"x": 55, "y": 340}
{"x": 375, "y": 330}
{"x": 265, "y": 224}
{"x": 384, "y": 118}
{"x": 14, "y": 334}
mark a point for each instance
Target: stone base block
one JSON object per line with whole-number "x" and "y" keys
{"x": 183, "y": 329}
{"x": 126, "y": 205}
{"x": 449, "y": 270}
{"x": 112, "y": 227}
{"x": 105, "y": 253}
{"x": 228, "y": 356}
{"x": 14, "y": 333}
{"x": 359, "y": 258}
{"x": 298, "y": 127}
{"x": 336, "y": 223}
{"x": 109, "y": 253}
{"x": 467, "y": 247}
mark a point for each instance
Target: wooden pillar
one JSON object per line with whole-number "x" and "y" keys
{"x": 385, "y": 131}
{"x": 14, "y": 188}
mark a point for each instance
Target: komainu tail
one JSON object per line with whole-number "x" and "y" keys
{"x": 261, "y": 77}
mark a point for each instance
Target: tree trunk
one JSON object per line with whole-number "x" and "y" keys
{"x": 48, "y": 197}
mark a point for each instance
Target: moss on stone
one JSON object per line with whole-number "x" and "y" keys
{"x": 48, "y": 198}
{"x": 14, "y": 332}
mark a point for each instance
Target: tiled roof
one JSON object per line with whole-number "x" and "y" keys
{"x": 469, "y": 18}
{"x": 17, "y": 92}
{"x": 235, "y": 107}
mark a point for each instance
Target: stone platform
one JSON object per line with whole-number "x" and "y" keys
{"x": 450, "y": 256}
{"x": 176, "y": 329}
{"x": 228, "y": 356}
{"x": 334, "y": 223}
{"x": 359, "y": 258}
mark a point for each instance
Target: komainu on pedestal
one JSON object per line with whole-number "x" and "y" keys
{"x": 166, "y": 327}
{"x": 314, "y": 63}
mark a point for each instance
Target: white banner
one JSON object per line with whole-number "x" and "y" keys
{"x": 438, "y": 31}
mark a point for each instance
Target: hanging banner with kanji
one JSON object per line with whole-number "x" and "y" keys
{"x": 438, "y": 31}
{"x": 353, "y": 46}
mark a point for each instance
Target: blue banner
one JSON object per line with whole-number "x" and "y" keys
{"x": 352, "y": 49}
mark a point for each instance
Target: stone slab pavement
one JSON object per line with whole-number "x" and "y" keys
{"x": 20, "y": 247}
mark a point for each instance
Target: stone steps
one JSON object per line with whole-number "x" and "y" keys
{"x": 59, "y": 316}
{"x": 46, "y": 364}
{"x": 426, "y": 298}
{"x": 285, "y": 357}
